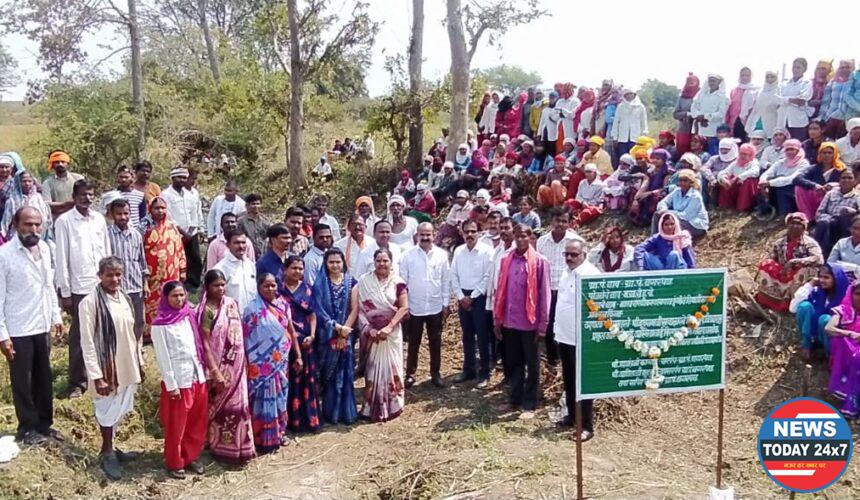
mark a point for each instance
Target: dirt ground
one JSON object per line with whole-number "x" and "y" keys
{"x": 457, "y": 442}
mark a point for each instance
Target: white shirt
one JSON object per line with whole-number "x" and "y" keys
{"x": 322, "y": 168}
{"x": 347, "y": 243}
{"x": 28, "y": 300}
{"x": 405, "y": 238}
{"x": 713, "y": 106}
{"x": 367, "y": 264}
{"x": 554, "y": 253}
{"x": 471, "y": 270}
{"x": 221, "y": 206}
{"x": 631, "y": 121}
{"x": 846, "y": 255}
{"x": 184, "y": 208}
{"x": 498, "y": 253}
{"x": 82, "y": 241}
{"x": 332, "y": 223}
{"x": 792, "y": 115}
{"x": 565, "y": 306}
{"x": 848, "y": 153}
{"x": 428, "y": 280}
{"x": 176, "y": 355}
{"x": 549, "y": 118}
{"x": 241, "y": 279}
{"x": 595, "y": 257}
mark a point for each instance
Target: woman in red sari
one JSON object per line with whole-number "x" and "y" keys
{"x": 165, "y": 255}
{"x": 793, "y": 261}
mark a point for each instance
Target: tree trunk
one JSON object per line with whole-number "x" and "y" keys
{"x": 214, "y": 65}
{"x": 136, "y": 77}
{"x": 414, "y": 160}
{"x": 297, "y": 171}
{"x": 459, "y": 74}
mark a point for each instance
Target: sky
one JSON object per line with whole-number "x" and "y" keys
{"x": 621, "y": 39}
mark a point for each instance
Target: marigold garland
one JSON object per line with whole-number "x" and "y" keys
{"x": 656, "y": 350}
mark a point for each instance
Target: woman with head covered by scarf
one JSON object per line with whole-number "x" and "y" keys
{"x": 813, "y": 303}
{"x": 741, "y": 101}
{"x": 775, "y": 151}
{"x": 821, "y": 77}
{"x": 645, "y": 201}
{"x": 603, "y": 113}
{"x": 582, "y": 114}
{"x": 765, "y": 106}
{"x": 726, "y": 154}
{"x": 792, "y": 261}
{"x": 631, "y": 121}
{"x": 816, "y": 180}
{"x": 776, "y": 185}
{"x": 708, "y": 110}
{"x": 686, "y": 203}
{"x": 549, "y": 123}
{"x": 670, "y": 248}
{"x": 487, "y": 123}
{"x": 738, "y": 184}
{"x": 462, "y": 158}
{"x": 684, "y": 129}
{"x": 843, "y": 330}
{"x": 833, "y": 111}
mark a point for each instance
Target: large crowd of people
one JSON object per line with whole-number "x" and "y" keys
{"x": 291, "y": 314}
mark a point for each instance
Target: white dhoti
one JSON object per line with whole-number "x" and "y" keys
{"x": 110, "y": 410}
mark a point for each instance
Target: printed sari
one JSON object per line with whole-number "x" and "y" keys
{"x": 304, "y": 405}
{"x": 336, "y": 356}
{"x": 165, "y": 259}
{"x": 777, "y": 280}
{"x": 267, "y": 347}
{"x": 231, "y": 436}
{"x": 383, "y": 373}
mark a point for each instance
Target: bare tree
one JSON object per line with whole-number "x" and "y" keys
{"x": 212, "y": 54}
{"x": 136, "y": 76}
{"x": 416, "y": 54}
{"x": 478, "y": 18}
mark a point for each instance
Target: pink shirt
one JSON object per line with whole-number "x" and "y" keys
{"x": 515, "y": 296}
{"x": 218, "y": 249}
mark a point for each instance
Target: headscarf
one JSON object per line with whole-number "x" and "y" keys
{"x": 505, "y": 105}
{"x": 486, "y": 147}
{"x": 588, "y": 98}
{"x": 663, "y": 155}
{"x": 479, "y": 161}
{"x": 365, "y": 200}
{"x": 848, "y": 316}
{"x": 801, "y": 154}
{"x": 168, "y": 315}
{"x": 691, "y": 86}
{"x": 686, "y": 173}
{"x": 838, "y": 164}
{"x": 797, "y": 217}
{"x": 58, "y": 156}
{"x": 732, "y": 155}
{"x": 567, "y": 90}
{"x": 596, "y": 139}
{"x": 681, "y": 239}
{"x": 745, "y": 149}
{"x": 667, "y": 134}
{"x": 782, "y": 131}
{"x": 483, "y": 194}
{"x": 839, "y": 77}
{"x": 627, "y": 159}
{"x": 769, "y": 87}
{"x": 693, "y": 159}
{"x": 605, "y": 259}
{"x": 460, "y": 158}
{"x": 828, "y": 65}
{"x": 721, "y": 90}
{"x": 818, "y": 297}
{"x": 644, "y": 144}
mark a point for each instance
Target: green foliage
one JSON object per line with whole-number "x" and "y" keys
{"x": 659, "y": 98}
{"x": 510, "y": 79}
{"x": 8, "y": 64}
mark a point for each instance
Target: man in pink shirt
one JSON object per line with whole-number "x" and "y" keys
{"x": 520, "y": 315}
{"x": 218, "y": 247}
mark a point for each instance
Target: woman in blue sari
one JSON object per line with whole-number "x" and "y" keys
{"x": 304, "y": 405}
{"x": 269, "y": 336}
{"x": 813, "y": 304}
{"x": 332, "y": 289}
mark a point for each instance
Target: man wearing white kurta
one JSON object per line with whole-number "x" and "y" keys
{"x": 240, "y": 271}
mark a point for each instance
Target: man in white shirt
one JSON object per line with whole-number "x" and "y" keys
{"x": 470, "y": 273}
{"x": 218, "y": 248}
{"x": 849, "y": 146}
{"x": 505, "y": 242}
{"x": 323, "y": 169}
{"x": 28, "y": 312}
{"x": 381, "y": 239}
{"x": 186, "y": 210}
{"x": 82, "y": 241}
{"x": 314, "y": 256}
{"x": 240, "y": 271}
{"x": 794, "y": 95}
{"x": 427, "y": 275}
{"x": 229, "y": 201}
{"x": 551, "y": 246}
{"x": 565, "y": 321}
{"x": 321, "y": 202}
{"x": 403, "y": 227}
{"x": 491, "y": 230}
{"x": 356, "y": 242}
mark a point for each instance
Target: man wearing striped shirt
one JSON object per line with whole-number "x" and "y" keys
{"x": 124, "y": 190}
{"x": 127, "y": 245}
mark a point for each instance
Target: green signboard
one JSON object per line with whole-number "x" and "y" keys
{"x": 650, "y": 332}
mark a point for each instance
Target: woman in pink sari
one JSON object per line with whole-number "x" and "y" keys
{"x": 380, "y": 301}
{"x": 844, "y": 331}
{"x": 231, "y": 436}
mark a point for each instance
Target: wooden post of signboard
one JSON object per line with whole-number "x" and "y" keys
{"x": 720, "y": 441}
{"x": 578, "y": 411}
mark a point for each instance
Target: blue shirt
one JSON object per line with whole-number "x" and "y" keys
{"x": 661, "y": 247}
{"x": 272, "y": 264}
{"x": 689, "y": 207}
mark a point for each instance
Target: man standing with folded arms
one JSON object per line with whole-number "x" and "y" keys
{"x": 28, "y": 312}
{"x": 470, "y": 274}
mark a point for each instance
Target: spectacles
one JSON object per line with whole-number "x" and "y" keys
{"x": 572, "y": 254}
